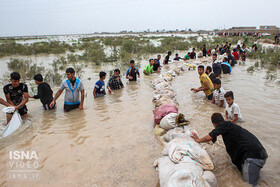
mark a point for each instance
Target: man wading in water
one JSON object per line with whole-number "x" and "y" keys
{"x": 244, "y": 149}
{"x": 73, "y": 86}
{"x": 206, "y": 84}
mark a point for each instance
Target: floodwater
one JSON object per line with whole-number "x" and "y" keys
{"x": 110, "y": 142}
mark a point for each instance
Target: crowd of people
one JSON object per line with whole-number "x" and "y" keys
{"x": 244, "y": 148}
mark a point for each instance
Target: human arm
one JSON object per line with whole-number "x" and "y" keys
{"x": 221, "y": 103}
{"x": 23, "y": 102}
{"x": 213, "y": 100}
{"x": 94, "y": 92}
{"x": 3, "y": 102}
{"x": 206, "y": 138}
{"x": 81, "y": 106}
{"x": 202, "y": 88}
{"x": 58, "y": 93}
{"x": 226, "y": 115}
{"x": 234, "y": 119}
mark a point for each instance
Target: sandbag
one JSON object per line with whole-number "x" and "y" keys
{"x": 166, "y": 92}
{"x": 210, "y": 178}
{"x": 158, "y": 131}
{"x": 179, "y": 132}
{"x": 163, "y": 110}
{"x": 13, "y": 125}
{"x": 179, "y": 148}
{"x": 183, "y": 178}
{"x": 169, "y": 121}
{"x": 167, "y": 77}
{"x": 166, "y": 168}
{"x": 157, "y": 81}
{"x": 162, "y": 85}
{"x": 163, "y": 100}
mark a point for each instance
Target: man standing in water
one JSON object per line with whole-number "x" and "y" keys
{"x": 244, "y": 149}
{"x": 73, "y": 86}
{"x": 132, "y": 72}
{"x": 115, "y": 82}
{"x": 166, "y": 59}
{"x": 206, "y": 84}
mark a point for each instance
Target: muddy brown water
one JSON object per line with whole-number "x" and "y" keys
{"x": 110, "y": 142}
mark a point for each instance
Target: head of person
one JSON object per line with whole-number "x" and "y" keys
{"x": 169, "y": 53}
{"x": 151, "y": 62}
{"x": 204, "y": 46}
{"x": 234, "y": 50}
{"x": 189, "y": 53}
{"x": 176, "y": 55}
{"x": 208, "y": 70}
{"x": 225, "y": 59}
{"x": 38, "y": 78}
{"x": 70, "y": 73}
{"x": 158, "y": 57}
{"x": 117, "y": 72}
{"x": 132, "y": 63}
{"x": 214, "y": 56}
{"x": 15, "y": 79}
{"x": 102, "y": 75}
{"x": 230, "y": 44}
{"x": 155, "y": 61}
{"x": 200, "y": 69}
{"x": 193, "y": 49}
{"x": 229, "y": 97}
{"x": 217, "y": 118}
{"x": 226, "y": 43}
{"x": 217, "y": 84}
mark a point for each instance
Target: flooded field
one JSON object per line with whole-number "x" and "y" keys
{"x": 110, "y": 142}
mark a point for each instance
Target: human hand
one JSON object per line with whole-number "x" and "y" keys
{"x": 52, "y": 104}
{"x": 81, "y": 107}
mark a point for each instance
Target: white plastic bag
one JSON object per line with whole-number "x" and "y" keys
{"x": 169, "y": 121}
{"x": 13, "y": 125}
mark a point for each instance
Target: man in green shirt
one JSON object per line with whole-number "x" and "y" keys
{"x": 149, "y": 67}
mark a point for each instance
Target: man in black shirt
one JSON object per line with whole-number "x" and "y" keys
{"x": 156, "y": 65}
{"x": 16, "y": 95}
{"x": 204, "y": 50}
{"x": 245, "y": 150}
{"x": 210, "y": 74}
{"x": 45, "y": 93}
{"x": 193, "y": 54}
{"x": 166, "y": 59}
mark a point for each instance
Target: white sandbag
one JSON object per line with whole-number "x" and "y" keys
{"x": 178, "y": 148}
{"x": 13, "y": 125}
{"x": 9, "y": 109}
{"x": 169, "y": 121}
{"x": 157, "y": 81}
{"x": 165, "y": 99}
{"x": 183, "y": 178}
{"x": 179, "y": 132}
{"x": 210, "y": 178}
{"x": 166, "y": 168}
{"x": 162, "y": 85}
{"x": 167, "y": 77}
{"x": 166, "y": 92}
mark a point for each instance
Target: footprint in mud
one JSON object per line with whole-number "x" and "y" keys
{"x": 81, "y": 140}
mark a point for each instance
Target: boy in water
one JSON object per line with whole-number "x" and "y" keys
{"x": 16, "y": 95}
{"x": 187, "y": 56}
{"x": 216, "y": 66}
{"x": 232, "y": 111}
{"x": 156, "y": 66}
{"x": 193, "y": 54}
{"x": 218, "y": 95}
{"x": 210, "y": 74}
{"x": 177, "y": 57}
{"x": 149, "y": 67}
{"x": 45, "y": 93}
{"x": 115, "y": 82}
{"x": 132, "y": 72}
{"x": 99, "y": 88}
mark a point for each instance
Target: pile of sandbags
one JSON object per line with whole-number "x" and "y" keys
{"x": 184, "y": 162}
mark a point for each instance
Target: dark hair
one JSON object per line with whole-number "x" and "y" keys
{"x": 169, "y": 52}
{"x": 155, "y": 60}
{"x": 117, "y": 71}
{"x": 189, "y": 52}
{"x": 150, "y": 60}
{"x": 217, "y": 118}
{"x": 234, "y": 50}
{"x": 159, "y": 55}
{"x": 209, "y": 68}
{"x": 229, "y": 94}
{"x": 176, "y": 54}
{"x": 201, "y": 66}
{"x": 102, "y": 74}
{"x": 217, "y": 81}
{"x": 226, "y": 59}
{"x": 215, "y": 55}
{"x": 132, "y": 62}
{"x": 38, "y": 77}
{"x": 70, "y": 70}
{"x": 193, "y": 48}
{"x": 15, "y": 76}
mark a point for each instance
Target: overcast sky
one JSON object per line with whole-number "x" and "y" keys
{"x": 37, "y": 17}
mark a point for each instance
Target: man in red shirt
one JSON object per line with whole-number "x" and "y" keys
{"x": 235, "y": 54}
